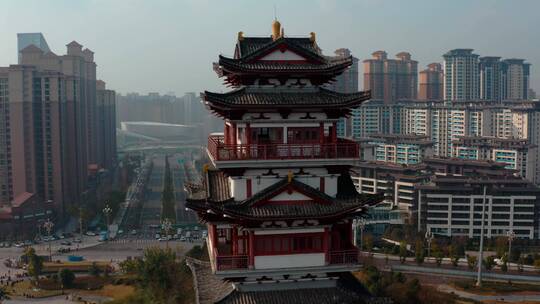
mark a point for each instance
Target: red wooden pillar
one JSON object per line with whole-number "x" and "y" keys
{"x": 248, "y": 139}
{"x": 248, "y": 133}
{"x": 214, "y": 237}
{"x": 334, "y": 132}
{"x": 321, "y": 186}
{"x": 249, "y": 190}
{"x": 321, "y": 133}
{"x": 251, "y": 251}
{"x": 351, "y": 234}
{"x": 233, "y": 136}
{"x": 226, "y": 134}
{"x": 326, "y": 247}
{"x": 234, "y": 240}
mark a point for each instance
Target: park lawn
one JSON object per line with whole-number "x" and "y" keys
{"x": 116, "y": 292}
{"x": 88, "y": 285}
{"x": 490, "y": 288}
{"x": 54, "y": 267}
{"x": 27, "y": 288}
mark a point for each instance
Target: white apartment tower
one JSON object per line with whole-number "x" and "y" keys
{"x": 461, "y": 75}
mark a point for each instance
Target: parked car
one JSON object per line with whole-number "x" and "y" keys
{"x": 162, "y": 239}
{"x": 77, "y": 240}
{"x": 133, "y": 232}
{"x": 90, "y": 233}
{"x": 182, "y": 239}
{"x": 65, "y": 243}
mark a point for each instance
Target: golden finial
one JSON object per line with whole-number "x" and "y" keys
{"x": 276, "y": 30}
{"x": 205, "y": 168}
{"x": 240, "y": 36}
{"x": 290, "y": 176}
{"x": 312, "y": 36}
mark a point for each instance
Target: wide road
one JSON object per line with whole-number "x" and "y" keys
{"x": 151, "y": 207}
{"x": 177, "y": 162}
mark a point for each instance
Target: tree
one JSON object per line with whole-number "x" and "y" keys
{"x": 403, "y": 251}
{"x": 67, "y": 277}
{"x": 471, "y": 261}
{"x": 501, "y": 245}
{"x": 35, "y": 264}
{"x": 504, "y": 266}
{"x": 368, "y": 242}
{"x": 489, "y": 262}
{"x": 453, "y": 253}
{"x": 158, "y": 273}
{"x": 437, "y": 253}
{"x": 419, "y": 251}
{"x": 94, "y": 270}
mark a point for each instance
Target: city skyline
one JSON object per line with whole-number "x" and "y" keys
{"x": 121, "y": 41}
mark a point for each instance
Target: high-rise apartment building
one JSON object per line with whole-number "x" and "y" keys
{"x": 461, "y": 78}
{"x": 491, "y": 78}
{"x": 27, "y": 39}
{"x": 391, "y": 79}
{"x": 430, "y": 82}
{"x": 106, "y": 126}
{"x": 345, "y": 83}
{"x": 516, "y": 79}
{"x": 49, "y": 131}
{"x": 374, "y": 117}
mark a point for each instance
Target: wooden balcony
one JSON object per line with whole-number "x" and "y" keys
{"x": 342, "y": 257}
{"x": 230, "y": 152}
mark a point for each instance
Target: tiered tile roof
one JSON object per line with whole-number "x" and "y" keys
{"x": 216, "y": 197}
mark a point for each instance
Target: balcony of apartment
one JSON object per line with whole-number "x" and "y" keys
{"x": 341, "y": 149}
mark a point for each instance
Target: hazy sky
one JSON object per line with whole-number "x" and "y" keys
{"x": 169, "y": 45}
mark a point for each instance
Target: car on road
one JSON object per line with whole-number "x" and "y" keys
{"x": 90, "y": 233}
{"x": 183, "y": 239}
{"x": 157, "y": 236}
{"x": 19, "y": 245}
{"x": 65, "y": 243}
{"x": 77, "y": 240}
{"x": 120, "y": 232}
{"x": 133, "y": 232}
{"x": 162, "y": 239}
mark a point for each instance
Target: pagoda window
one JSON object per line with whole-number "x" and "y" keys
{"x": 303, "y": 135}
{"x": 267, "y": 135}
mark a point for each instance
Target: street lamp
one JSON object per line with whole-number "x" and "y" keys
{"x": 481, "y": 249}
{"x": 107, "y": 211}
{"x": 48, "y": 225}
{"x": 429, "y": 238}
{"x": 511, "y": 236}
{"x": 166, "y": 225}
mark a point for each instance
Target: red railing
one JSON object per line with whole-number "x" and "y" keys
{"x": 223, "y": 152}
{"x": 229, "y": 262}
{"x": 350, "y": 256}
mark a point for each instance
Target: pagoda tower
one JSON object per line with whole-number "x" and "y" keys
{"x": 277, "y": 197}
